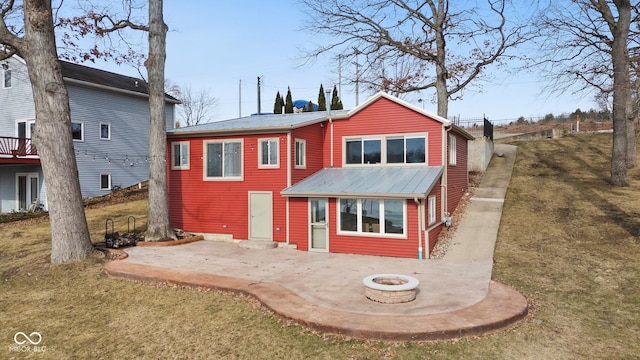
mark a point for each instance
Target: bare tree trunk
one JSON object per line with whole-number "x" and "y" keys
{"x": 159, "y": 227}
{"x": 442, "y": 93}
{"x": 621, "y": 93}
{"x": 632, "y": 150}
{"x": 70, "y": 239}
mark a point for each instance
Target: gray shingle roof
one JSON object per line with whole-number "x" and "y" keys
{"x": 105, "y": 78}
{"x": 272, "y": 122}
{"x": 371, "y": 181}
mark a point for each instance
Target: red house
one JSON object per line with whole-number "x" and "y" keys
{"x": 380, "y": 179}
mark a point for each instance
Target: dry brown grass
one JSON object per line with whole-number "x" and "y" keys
{"x": 567, "y": 240}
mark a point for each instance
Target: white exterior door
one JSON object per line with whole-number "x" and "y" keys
{"x": 260, "y": 215}
{"x": 318, "y": 225}
{"x": 27, "y": 190}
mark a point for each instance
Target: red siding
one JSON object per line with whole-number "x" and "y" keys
{"x": 221, "y": 207}
{"x": 299, "y": 223}
{"x": 387, "y": 117}
{"x": 314, "y": 136}
{"x": 458, "y": 176}
{"x": 436, "y": 228}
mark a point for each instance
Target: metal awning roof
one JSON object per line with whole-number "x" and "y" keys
{"x": 370, "y": 181}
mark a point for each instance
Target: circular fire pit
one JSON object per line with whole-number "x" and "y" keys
{"x": 390, "y": 288}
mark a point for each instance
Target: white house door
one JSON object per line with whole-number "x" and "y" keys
{"x": 260, "y": 216}
{"x": 318, "y": 225}
{"x": 27, "y": 190}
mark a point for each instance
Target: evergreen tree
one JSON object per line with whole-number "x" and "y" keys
{"x": 288, "y": 105}
{"x": 277, "y": 106}
{"x": 336, "y": 103}
{"x": 309, "y": 107}
{"x": 322, "y": 101}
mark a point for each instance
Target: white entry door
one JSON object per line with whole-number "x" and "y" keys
{"x": 318, "y": 225}
{"x": 260, "y": 216}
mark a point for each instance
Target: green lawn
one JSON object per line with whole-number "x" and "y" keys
{"x": 567, "y": 240}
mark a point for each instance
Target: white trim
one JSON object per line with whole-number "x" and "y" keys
{"x": 110, "y": 185}
{"x": 181, "y": 166}
{"x": 108, "y": 132}
{"x": 28, "y": 175}
{"x": 453, "y": 155}
{"x": 223, "y": 177}
{"x": 381, "y": 233}
{"x": 81, "y": 130}
{"x": 431, "y": 210}
{"x": 269, "y": 142}
{"x": 303, "y": 164}
{"x": 383, "y": 148}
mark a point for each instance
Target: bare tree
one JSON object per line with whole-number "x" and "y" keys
{"x": 34, "y": 41}
{"x": 196, "y": 108}
{"x": 587, "y": 48}
{"x": 402, "y": 46}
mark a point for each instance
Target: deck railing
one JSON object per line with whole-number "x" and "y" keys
{"x": 17, "y": 147}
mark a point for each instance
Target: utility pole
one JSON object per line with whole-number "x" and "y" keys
{"x": 240, "y": 99}
{"x": 357, "y": 76}
{"x": 258, "y": 95}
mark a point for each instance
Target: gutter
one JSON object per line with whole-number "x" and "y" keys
{"x": 114, "y": 89}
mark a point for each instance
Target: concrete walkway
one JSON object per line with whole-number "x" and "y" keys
{"x": 324, "y": 291}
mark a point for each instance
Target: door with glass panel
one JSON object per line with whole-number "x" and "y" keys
{"x": 318, "y": 225}
{"x": 27, "y": 190}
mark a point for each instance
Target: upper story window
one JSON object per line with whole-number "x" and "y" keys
{"x": 452, "y": 150}
{"x": 363, "y": 151}
{"x": 105, "y": 131}
{"x": 6, "y": 76}
{"x": 77, "y": 131}
{"x": 386, "y": 149}
{"x": 223, "y": 159}
{"x": 268, "y": 153}
{"x": 301, "y": 154}
{"x": 180, "y": 155}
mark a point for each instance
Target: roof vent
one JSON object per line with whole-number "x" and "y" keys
{"x": 136, "y": 83}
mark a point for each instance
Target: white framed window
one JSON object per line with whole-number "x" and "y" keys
{"x": 452, "y": 150}
{"x": 77, "y": 131}
{"x": 6, "y": 76}
{"x": 372, "y": 217}
{"x": 431, "y": 205}
{"x": 301, "y": 154}
{"x": 223, "y": 159}
{"x": 105, "y": 182}
{"x": 180, "y": 155}
{"x": 268, "y": 153}
{"x": 385, "y": 149}
{"x": 105, "y": 131}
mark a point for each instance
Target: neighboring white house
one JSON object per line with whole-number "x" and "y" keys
{"x": 110, "y": 126}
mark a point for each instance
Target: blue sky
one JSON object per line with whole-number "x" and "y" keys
{"x": 216, "y": 44}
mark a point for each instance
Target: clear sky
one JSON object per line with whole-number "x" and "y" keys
{"x": 216, "y": 45}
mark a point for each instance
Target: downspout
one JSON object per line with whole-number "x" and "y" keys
{"x": 289, "y": 175}
{"x": 445, "y": 176}
{"x": 420, "y": 227}
{"x": 331, "y": 141}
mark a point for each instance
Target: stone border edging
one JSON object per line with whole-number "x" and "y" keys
{"x": 503, "y": 306}
{"x": 171, "y": 243}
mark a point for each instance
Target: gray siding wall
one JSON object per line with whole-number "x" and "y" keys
{"x": 124, "y": 156}
{"x": 16, "y": 102}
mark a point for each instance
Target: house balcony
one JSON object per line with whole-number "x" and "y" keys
{"x": 18, "y": 151}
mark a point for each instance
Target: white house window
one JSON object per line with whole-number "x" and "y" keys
{"x": 381, "y": 218}
{"x": 452, "y": 150}
{"x": 386, "y": 149}
{"x": 268, "y": 153}
{"x": 180, "y": 155}
{"x": 406, "y": 149}
{"x": 105, "y": 181}
{"x": 432, "y": 209}
{"x": 301, "y": 154}
{"x": 363, "y": 151}
{"x": 223, "y": 160}
{"x": 105, "y": 131}
{"x": 77, "y": 131}
{"x": 6, "y": 76}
